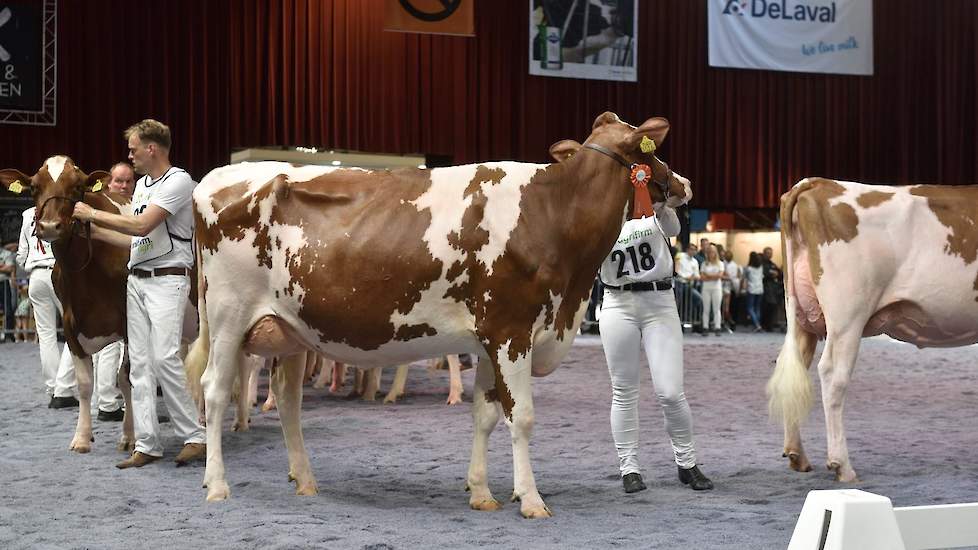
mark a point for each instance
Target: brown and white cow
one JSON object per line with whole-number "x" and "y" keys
{"x": 860, "y": 261}
{"x": 385, "y": 267}
{"x": 89, "y": 276}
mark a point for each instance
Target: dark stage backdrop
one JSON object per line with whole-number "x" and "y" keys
{"x": 324, "y": 73}
{"x": 120, "y": 61}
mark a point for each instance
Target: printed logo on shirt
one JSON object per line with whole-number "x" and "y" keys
{"x": 142, "y": 244}
{"x": 635, "y": 235}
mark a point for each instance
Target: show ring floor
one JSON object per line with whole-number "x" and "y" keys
{"x": 392, "y": 476}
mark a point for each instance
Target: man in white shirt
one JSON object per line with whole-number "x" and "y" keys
{"x": 37, "y": 258}
{"x": 161, "y": 229}
{"x": 8, "y": 294}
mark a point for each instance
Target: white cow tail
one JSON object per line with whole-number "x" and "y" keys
{"x": 196, "y": 361}
{"x": 789, "y": 390}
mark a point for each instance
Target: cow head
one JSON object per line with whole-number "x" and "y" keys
{"x": 55, "y": 188}
{"x": 625, "y": 141}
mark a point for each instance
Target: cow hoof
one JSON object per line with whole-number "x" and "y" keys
{"x": 799, "y": 462}
{"x": 485, "y": 505}
{"x": 843, "y": 474}
{"x": 268, "y": 407}
{"x": 536, "y": 512}
{"x": 240, "y": 426}
{"x": 80, "y": 445}
{"x": 454, "y": 400}
{"x": 307, "y": 490}
{"x": 126, "y": 446}
{"x": 217, "y": 491}
{"x": 390, "y": 399}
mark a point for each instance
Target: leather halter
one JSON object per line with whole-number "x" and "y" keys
{"x": 74, "y": 222}
{"x": 663, "y": 186}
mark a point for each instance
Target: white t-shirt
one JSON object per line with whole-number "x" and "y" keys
{"x": 687, "y": 268}
{"x": 755, "y": 279}
{"x": 169, "y": 245}
{"x": 734, "y": 272}
{"x": 640, "y": 255}
{"x": 711, "y": 269}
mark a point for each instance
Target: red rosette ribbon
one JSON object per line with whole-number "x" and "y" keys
{"x": 640, "y": 177}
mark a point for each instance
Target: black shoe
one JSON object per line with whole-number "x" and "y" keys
{"x": 111, "y": 416}
{"x": 695, "y": 479}
{"x": 633, "y": 482}
{"x": 63, "y": 402}
{"x": 162, "y": 418}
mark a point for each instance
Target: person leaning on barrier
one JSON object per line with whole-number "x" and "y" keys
{"x": 8, "y": 296}
{"x": 159, "y": 236}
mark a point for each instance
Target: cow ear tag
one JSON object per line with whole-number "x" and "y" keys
{"x": 16, "y": 187}
{"x": 647, "y": 145}
{"x": 97, "y": 187}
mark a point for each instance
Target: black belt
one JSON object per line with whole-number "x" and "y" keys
{"x": 654, "y": 285}
{"x": 159, "y": 272}
{"x": 42, "y": 267}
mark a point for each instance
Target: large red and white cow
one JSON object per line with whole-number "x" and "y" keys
{"x": 378, "y": 268}
{"x": 89, "y": 276}
{"x": 863, "y": 260}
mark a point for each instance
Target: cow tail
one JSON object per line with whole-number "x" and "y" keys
{"x": 196, "y": 361}
{"x": 789, "y": 390}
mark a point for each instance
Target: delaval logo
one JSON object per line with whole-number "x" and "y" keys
{"x": 774, "y": 9}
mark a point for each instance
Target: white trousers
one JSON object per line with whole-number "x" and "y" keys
{"x": 58, "y": 374}
{"x": 155, "y": 309}
{"x": 630, "y": 321}
{"x": 712, "y": 298}
{"x": 107, "y": 362}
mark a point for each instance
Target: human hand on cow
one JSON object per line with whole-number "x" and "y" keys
{"x": 83, "y": 212}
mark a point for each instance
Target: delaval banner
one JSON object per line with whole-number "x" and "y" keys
{"x": 810, "y": 36}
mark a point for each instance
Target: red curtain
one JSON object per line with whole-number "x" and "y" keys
{"x": 323, "y": 73}
{"x": 120, "y": 62}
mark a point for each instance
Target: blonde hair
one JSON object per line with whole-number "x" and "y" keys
{"x": 150, "y": 130}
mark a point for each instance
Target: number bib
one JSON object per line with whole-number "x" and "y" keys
{"x": 641, "y": 254}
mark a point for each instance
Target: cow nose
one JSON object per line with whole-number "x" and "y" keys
{"x": 48, "y": 230}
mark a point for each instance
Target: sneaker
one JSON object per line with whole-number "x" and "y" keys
{"x": 65, "y": 402}
{"x": 716, "y": 332}
{"x": 111, "y": 416}
{"x": 695, "y": 479}
{"x": 633, "y": 482}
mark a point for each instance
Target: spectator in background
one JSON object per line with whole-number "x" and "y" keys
{"x": 701, "y": 255}
{"x": 8, "y": 290}
{"x": 712, "y": 274}
{"x": 752, "y": 286}
{"x": 731, "y": 287}
{"x": 687, "y": 274}
{"x": 24, "y": 315}
{"x": 773, "y": 305}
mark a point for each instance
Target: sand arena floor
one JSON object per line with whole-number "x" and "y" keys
{"x": 392, "y": 476}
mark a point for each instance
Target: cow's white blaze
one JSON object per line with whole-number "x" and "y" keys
{"x": 55, "y": 166}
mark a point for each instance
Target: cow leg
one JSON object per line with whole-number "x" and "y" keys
{"x": 371, "y": 383}
{"x": 835, "y": 371}
{"x": 325, "y": 374}
{"x": 218, "y": 382}
{"x": 256, "y": 366}
{"x": 397, "y": 387}
{"x": 516, "y": 378}
{"x": 339, "y": 377}
{"x": 287, "y": 382}
{"x": 242, "y": 410}
{"x": 485, "y": 416}
{"x": 82, "y": 441}
{"x": 455, "y": 389}
{"x": 793, "y": 448}
{"x": 127, "y": 443}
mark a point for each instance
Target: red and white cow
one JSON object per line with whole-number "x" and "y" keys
{"x": 863, "y": 260}
{"x": 385, "y": 267}
{"x": 89, "y": 276}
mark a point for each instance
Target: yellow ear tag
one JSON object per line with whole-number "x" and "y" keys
{"x": 16, "y": 187}
{"x": 97, "y": 187}
{"x": 647, "y": 145}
